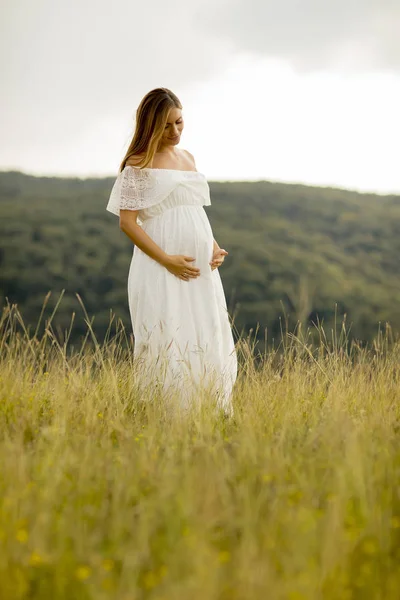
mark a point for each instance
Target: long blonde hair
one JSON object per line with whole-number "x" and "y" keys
{"x": 151, "y": 119}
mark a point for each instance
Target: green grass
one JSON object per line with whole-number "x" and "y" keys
{"x": 107, "y": 494}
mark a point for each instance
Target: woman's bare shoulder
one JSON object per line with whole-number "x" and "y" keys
{"x": 190, "y": 156}
{"x": 184, "y": 160}
{"x": 161, "y": 161}
{"x": 187, "y": 161}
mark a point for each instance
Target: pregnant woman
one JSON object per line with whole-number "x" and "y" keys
{"x": 180, "y": 322}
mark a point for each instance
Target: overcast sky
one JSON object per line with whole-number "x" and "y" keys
{"x": 289, "y": 91}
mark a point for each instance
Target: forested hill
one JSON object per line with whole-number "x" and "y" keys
{"x": 293, "y": 249}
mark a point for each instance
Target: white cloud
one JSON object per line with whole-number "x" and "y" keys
{"x": 313, "y": 35}
{"x": 263, "y": 120}
{"x": 68, "y": 67}
{"x": 290, "y": 91}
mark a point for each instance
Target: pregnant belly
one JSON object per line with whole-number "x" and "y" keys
{"x": 184, "y": 230}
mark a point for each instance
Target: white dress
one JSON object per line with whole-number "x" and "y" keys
{"x": 181, "y": 329}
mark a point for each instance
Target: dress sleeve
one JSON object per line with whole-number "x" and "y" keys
{"x": 136, "y": 189}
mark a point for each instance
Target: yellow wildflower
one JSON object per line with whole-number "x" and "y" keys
{"x": 22, "y": 536}
{"x": 108, "y": 564}
{"x": 83, "y": 572}
{"x": 224, "y": 556}
{"x": 163, "y": 571}
{"x": 370, "y": 547}
{"x": 149, "y": 580}
{"x": 35, "y": 559}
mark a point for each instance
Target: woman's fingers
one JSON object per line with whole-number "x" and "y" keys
{"x": 216, "y": 262}
{"x": 189, "y": 275}
{"x": 219, "y": 257}
{"x": 192, "y": 270}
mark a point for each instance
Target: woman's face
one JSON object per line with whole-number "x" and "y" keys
{"x": 173, "y": 128}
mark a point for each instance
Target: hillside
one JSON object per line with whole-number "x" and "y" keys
{"x": 295, "y": 252}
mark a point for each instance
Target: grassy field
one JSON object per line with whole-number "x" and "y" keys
{"x": 105, "y": 494}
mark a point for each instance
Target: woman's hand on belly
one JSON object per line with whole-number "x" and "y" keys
{"x": 179, "y": 265}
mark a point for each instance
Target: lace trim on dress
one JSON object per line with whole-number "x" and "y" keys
{"x": 138, "y": 189}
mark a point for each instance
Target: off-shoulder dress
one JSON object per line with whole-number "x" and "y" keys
{"x": 182, "y": 329}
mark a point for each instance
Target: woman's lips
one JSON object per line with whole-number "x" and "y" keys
{"x": 174, "y": 138}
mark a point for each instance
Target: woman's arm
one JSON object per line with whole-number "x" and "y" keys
{"x": 176, "y": 264}
{"x": 128, "y": 224}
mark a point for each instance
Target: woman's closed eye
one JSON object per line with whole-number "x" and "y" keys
{"x": 177, "y": 122}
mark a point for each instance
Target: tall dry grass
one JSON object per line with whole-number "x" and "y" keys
{"x": 106, "y": 494}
